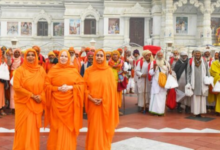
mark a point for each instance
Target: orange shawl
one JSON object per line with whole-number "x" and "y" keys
{"x": 64, "y": 107}
{"x": 100, "y": 83}
{"x": 29, "y": 79}
{"x": 117, "y": 64}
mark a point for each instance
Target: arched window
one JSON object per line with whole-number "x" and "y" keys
{"x": 90, "y": 25}
{"x": 42, "y": 27}
{"x": 90, "y": 21}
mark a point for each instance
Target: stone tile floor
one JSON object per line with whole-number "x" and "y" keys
{"x": 145, "y": 130}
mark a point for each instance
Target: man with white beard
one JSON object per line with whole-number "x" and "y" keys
{"x": 181, "y": 70}
{"x": 174, "y": 59}
{"x": 208, "y": 57}
{"x": 158, "y": 93}
{"x": 196, "y": 72}
{"x": 144, "y": 85}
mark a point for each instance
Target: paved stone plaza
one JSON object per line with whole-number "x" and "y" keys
{"x": 138, "y": 131}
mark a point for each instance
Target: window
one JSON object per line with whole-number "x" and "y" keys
{"x": 42, "y": 28}
{"x": 90, "y": 26}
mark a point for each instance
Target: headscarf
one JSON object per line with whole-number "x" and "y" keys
{"x": 146, "y": 52}
{"x": 36, "y": 48}
{"x": 119, "y": 63}
{"x": 71, "y": 49}
{"x": 136, "y": 51}
{"x": 116, "y": 52}
{"x": 108, "y": 52}
{"x": 17, "y": 61}
{"x": 29, "y": 66}
{"x": 51, "y": 53}
{"x": 68, "y": 62}
{"x": 101, "y": 66}
{"x": 183, "y": 53}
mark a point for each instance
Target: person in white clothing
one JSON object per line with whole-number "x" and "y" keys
{"x": 136, "y": 55}
{"x": 196, "y": 72}
{"x": 129, "y": 60}
{"x": 158, "y": 93}
{"x": 143, "y": 84}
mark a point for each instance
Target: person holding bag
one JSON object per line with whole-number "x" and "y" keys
{"x": 181, "y": 73}
{"x": 197, "y": 70}
{"x": 159, "y": 72}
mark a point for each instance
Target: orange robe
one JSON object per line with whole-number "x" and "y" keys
{"x": 2, "y": 89}
{"x": 77, "y": 64}
{"x": 102, "y": 119}
{"x": 28, "y": 80}
{"x": 64, "y": 109}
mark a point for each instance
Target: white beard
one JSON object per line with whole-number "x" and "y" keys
{"x": 208, "y": 58}
{"x": 160, "y": 63}
{"x": 72, "y": 58}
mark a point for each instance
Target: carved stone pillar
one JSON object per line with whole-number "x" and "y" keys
{"x": 207, "y": 32}
{"x": 168, "y": 33}
{"x": 147, "y": 29}
{"x": 126, "y": 30}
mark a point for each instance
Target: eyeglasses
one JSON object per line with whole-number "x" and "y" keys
{"x": 99, "y": 55}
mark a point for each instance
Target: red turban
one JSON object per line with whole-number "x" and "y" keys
{"x": 90, "y": 53}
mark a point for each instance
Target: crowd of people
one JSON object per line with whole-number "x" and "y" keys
{"x": 68, "y": 82}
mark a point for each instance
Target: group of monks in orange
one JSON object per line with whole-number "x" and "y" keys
{"x": 54, "y": 86}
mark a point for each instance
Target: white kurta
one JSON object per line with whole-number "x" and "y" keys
{"x": 141, "y": 83}
{"x": 131, "y": 79}
{"x": 158, "y": 94}
{"x": 135, "y": 76}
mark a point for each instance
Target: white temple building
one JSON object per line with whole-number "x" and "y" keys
{"x": 57, "y": 24}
